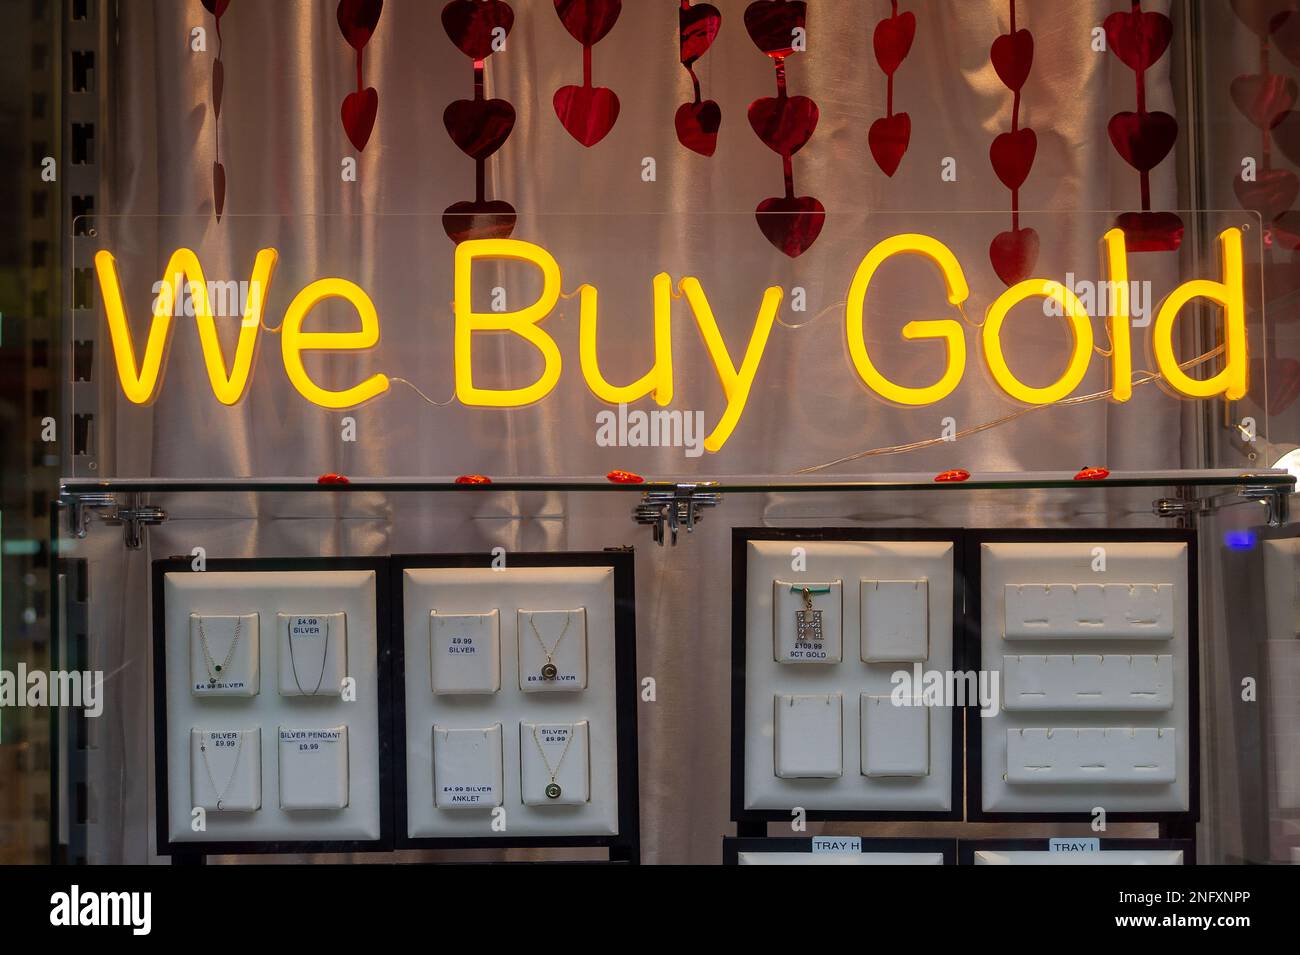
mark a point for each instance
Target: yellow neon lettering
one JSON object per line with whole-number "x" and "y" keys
{"x": 1117, "y": 317}
{"x": 1081, "y": 348}
{"x": 523, "y": 322}
{"x": 659, "y": 379}
{"x": 1230, "y": 293}
{"x": 294, "y": 341}
{"x": 947, "y": 329}
{"x": 141, "y": 383}
{"x": 735, "y": 383}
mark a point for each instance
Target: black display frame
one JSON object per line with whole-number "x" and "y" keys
{"x": 193, "y": 851}
{"x": 733, "y": 846}
{"x": 966, "y": 848}
{"x": 623, "y": 846}
{"x": 753, "y": 822}
{"x": 1174, "y": 823}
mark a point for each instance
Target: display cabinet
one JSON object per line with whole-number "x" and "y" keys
{"x": 1184, "y": 624}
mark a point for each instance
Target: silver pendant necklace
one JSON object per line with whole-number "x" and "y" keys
{"x": 234, "y": 768}
{"x": 549, "y": 670}
{"x": 553, "y": 788}
{"x": 208, "y": 661}
{"x": 293, "y": 663}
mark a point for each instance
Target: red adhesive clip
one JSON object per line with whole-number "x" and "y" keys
{"x": 473, "y": 479}
{"x": 624, "y": 477}
{"x": 1093, "y": 474}
{"x": 332, "y": 479}
{"x": 956, "y": 474}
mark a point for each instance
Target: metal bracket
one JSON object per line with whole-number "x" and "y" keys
{"x": 132, "y": 517}
{"x": 1276, "y": 501}
{"x": 669, "y": 507}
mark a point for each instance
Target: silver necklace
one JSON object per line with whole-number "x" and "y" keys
{"x": 234, "y": 768}
{"x": 213, "y": 667}
{"x": 323, "y": 660}
{"x": 553, "y": 788}
{"x": 549, "y": 670}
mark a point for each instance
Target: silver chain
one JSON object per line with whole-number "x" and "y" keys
{"x": 234, "y": 768}
{"x": 550, "y": 654}
{"x": 293, "y": 663}
{"x": 208, "y": 661}
{"x": 573, "y": 731}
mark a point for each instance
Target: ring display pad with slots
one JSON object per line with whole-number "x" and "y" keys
{"x": 515, "y": 712}
{"x": 1106, "y": 852}
{"x": 821, "y": 730}
{"x": 837, "y": 851}
{"x": 294, "y": 768}
{"x": 1093, "y": 638}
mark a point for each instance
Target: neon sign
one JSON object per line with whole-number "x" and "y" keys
{"x": 141, "y": 380}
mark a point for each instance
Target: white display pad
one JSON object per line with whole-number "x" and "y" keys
{"x": 1282, "y": 587}
{"x": 895, "y": 739}
{"x": 809, "y": 736}
{"x": 1109, "y": 857}
{"x": 510, "y": 591}
{"x": 1046, "y": 757}
{"x": 269, "y": 594}
{"x": 226, "y": 770}
{"x": 895, "y": 620}
{"x": 861, "y": 562}
{"x": 1071, "y": 611}
{"x": 555, "y": 764}
{"x": 313, "y": 653}
{"x": 845, "y": 858}
{"x": 1089, "y": 748}
{"x": 464, "y": 652}
{"x": 557, "y": 638}
{"x": 231, "y": 664}
{"x": 1088, "y": 682}
{"x": 807, "y": 631}
{"x": 313, "y": 767}
{"x": 467, "y": 767}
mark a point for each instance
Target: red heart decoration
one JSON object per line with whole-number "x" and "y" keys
{"x": 1012, "y": 156}
{"x": 784, "y": 123}
{"x": 1138, "y": 38}
{"x": 618, "y": 476}
{"x": 1151, "y": 231}
{"x": 478, "y": 220}
{"x": 1263, "y": 16}
{"x": 697, "y": 126}
{"x": 1264, "y": 99}
{"x": 888, "y": 139}
{"x": 1092, "y": 474}
{"x": 1284, "y": 232}
{"x": 588, "y": 20}
{"x": 1283, "y": 376}
{"x": 587, "y": 112}
{"x": 791, "y": 223}
{"x": 470, "y": 24}
{"x": 473, "y": 479}
{"x": 955, "y": 474}
{"x": 1014, "y": 254}
{"x": 216, "y": 7}
{"x": 358, "y": 113}
{"x": 1143, "y": 139}
{"x": 358, "y": 19}
{"x": 1013, "y": 55}
{"x": 479, "y": 126}
{"x": 1287, "y": 135}
{"x": 771, "y": 24}
{"x": 893, "y": 39}
{"x": 698, "y": 26}
{"x": 1281, "y": 281}
{"x": 218, "y": 189}
{"x": 1272, "y": 193}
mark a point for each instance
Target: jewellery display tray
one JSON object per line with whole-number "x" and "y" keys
{"x": 390, "y": 740}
